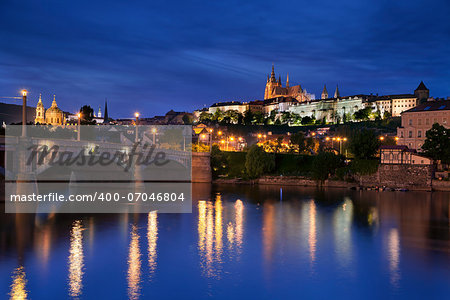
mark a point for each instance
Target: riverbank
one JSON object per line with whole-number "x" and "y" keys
{"x": 435, "y": 185}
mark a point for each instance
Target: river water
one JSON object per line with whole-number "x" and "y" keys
{"x": 250, "y": 242}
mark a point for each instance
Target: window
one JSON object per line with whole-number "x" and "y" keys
{"x": 410, "y": 122}
{"x": 420, "y": 121}
{"x": 401, "y": 134}
{"x": 410, "y": 134}
{"x": 419, "y": 133}
{"x": 427, "y": 121}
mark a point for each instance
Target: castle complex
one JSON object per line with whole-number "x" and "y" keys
{"x": 295, "y": 100}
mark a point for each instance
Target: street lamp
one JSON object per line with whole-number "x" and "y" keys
{"x": 210, "y": 140}
{"x": 24, "y": 113}
{"x": 381, "y": 138}
{"x": 136, "y": 115}
{"x": 154, "y": 135}
{"x": 79, "y": 126}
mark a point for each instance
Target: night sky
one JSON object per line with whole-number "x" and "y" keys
{"x": 153, "y": 56}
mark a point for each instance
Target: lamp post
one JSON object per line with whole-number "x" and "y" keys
{"x": 24, "y": 113}
{"x": 154, "y": 135}
{"x": 210, "y": 140}
{"x": 136, "y": 115}
{"x": 79, "y": 127}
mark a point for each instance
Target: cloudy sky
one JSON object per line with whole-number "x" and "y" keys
{"x": 152, "y": 56}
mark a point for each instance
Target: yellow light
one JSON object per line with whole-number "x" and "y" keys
{"x": 339, "y": 139}
{"x": 396, "y": 138}
{"x": 264, "y": 136}
{"x": 259, "y": 136}
{"x": 219, "y": 133}
{"x": 24, "y": 92}
{"x": 327, "y": 138}
{"x": 313, "y": 134}
{"x": 78, "y": 115}
{"x": 203, "y": 136}
{"x": 381, "y": 138}
{"x": 222, "y": 141}
{"x": 345, "y": 139}
{"x": 240, "y": 139}
{"x": 154, "y": 130}
{"x": 334, "y": 139}
{"x": 211, "y": 130}
{"x": 136, "y": 114}
{"x": 231, "y": 138}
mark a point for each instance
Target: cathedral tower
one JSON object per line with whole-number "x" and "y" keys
{"x": 40, "y": 112}
{"x": 336, "y": 93}
{"x": 324, "y": 92}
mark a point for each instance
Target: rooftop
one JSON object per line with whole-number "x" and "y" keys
{"x": 430, "y": 106}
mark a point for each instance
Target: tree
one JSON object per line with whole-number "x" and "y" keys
{"x": 205, "y": 117}
{"x": 307, "y": 120}
{"x": 362, "y": 114}
{"x": 364, "y": 144}
{"x": 219, "y": 162}
{"x": 186, "y": 119}
{"x": 325, "y": 164}
{"x": 437, "y": 143}
{"x": 248, "y": 117}
{"x": 298, "y": 139}
{"x": 258, "y": 162}
{"x": 87, "y": 114}
{"x": 258, "y": 118}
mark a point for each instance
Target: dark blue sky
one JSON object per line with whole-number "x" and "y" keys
{"x": 153, "y": 56}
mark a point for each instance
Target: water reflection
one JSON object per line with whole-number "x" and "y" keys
{"x": 342, "y": 223}
{"x": 152, "y": 237}
{"x": 210, "y": 234}
{"x": 18, "y": 286}
{"x": 312, "y": 236}
{"x": 134, "y": 265}
{"x": 76, "y": 258}
{"x": 393, "y": 250}
{"x": 239, "y": 217}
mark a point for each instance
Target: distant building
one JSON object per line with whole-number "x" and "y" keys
{"x": 226, "y": 106}
{"x": 422, "y": 93}
{"x": 418, "y": 120}
{"x": 402, "y": 155}
{"x": 274, "y": 88}
{"x": 52, "y": 116}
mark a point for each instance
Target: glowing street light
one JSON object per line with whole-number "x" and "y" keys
{"x": 381, "y": 138}
{"x": 154, "y": 135}
{"x": 24, "y": 113}
{"x": 79, "y": 126}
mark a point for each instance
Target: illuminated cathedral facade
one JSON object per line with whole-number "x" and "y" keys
{"x": 274, "y": 89}
{"x": 51, "y": 116}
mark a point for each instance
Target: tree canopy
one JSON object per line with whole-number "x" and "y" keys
{"x": 364, "y": 144}
{"x": 437, "y": 143}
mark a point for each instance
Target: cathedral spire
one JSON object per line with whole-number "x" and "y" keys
{"x": 324, "y": 92}
{"x": 279, "y": 80}
{"x": 336, "y": 93}
{"x": 287, "y": 80}
{"x": 272, "y": 75}
{"x": 54, "y": 101}
{"x": 106, "y": 117}
{"x": 40, "y": 98}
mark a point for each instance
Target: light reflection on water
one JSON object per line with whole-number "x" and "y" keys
{"x": 18, "y": 286}
{"x": 134, "y": 265}
{"x": 367, "y": 242}
{"x": 152, "y": 237}
{"x": 76, "y": 258}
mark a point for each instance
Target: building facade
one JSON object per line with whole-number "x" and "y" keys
{"x": 52, "y": 116}
{"x": 274, "y": 88}
{"x": 418, "y": 120}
